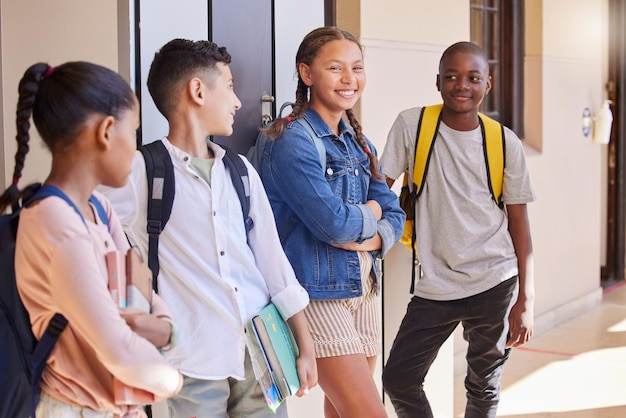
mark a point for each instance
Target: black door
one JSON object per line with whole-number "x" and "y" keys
{"x": 245, "y": 28}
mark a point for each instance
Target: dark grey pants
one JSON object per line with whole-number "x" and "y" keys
{"x": 427, "y": 324}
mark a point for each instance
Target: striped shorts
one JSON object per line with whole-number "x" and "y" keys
{"x": 347, "y": 326}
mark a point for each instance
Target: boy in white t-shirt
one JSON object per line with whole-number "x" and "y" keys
{"x": 476, "y": 258}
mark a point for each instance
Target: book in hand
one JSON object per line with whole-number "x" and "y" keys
{"x": 116, "y": 267}
{"x": 138, "y": 282}
{"x": 276, "y": 351}
{"x": 130, "y": 285}
{"x": 130, "y": 280}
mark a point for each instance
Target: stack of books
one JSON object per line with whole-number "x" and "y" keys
{"x": 273, "y": 351}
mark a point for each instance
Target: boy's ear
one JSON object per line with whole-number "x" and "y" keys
{"x": 104, "y": 132}
{"x": 488, "y": 85}
{"x": 305, "y": 73}
{"x": 438, "y": 83}
{"x": 195, "y": 91}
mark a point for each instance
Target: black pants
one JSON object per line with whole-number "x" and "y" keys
{"x": 427, "y": 324}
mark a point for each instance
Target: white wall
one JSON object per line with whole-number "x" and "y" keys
{"x": 289, "y": 34}
{"x": 162, "y": 21}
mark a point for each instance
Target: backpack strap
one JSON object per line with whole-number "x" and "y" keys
{"x": 47, "y": 190}
{"x": 42, "y": 351}
{"x": 317, "y": 141}
{"x": 102, "y": 214}
{"x": 161, "y": 190}
{"x": 239, "y": 176}
{"x": 495, "y": 151}
{"x": 427, "y": 129}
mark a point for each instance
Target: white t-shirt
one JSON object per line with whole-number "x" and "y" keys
{"x": 462, "y": 236}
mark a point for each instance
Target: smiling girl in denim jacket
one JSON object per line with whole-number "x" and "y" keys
{"x": 335, "y": 221}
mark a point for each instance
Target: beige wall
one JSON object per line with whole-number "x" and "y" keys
{"x": 570, "y": 60}
{"x": 53, "y": 32}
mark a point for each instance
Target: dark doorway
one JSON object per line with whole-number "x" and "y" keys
{"x": 613, "y": 270}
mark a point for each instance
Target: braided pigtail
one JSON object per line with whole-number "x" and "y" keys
{"x": 361, "y": 139}
{"x": 28, "y": 88}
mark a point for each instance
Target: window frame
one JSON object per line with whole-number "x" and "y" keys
{"x": 502, "y": 28}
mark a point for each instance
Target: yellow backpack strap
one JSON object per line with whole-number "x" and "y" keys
{"x": 427, "y": 132}
{"x": 494, "y": 149}
{"x": 427, "y": 126}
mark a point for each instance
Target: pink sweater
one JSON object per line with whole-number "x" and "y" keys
{"x": 60, "y": 267}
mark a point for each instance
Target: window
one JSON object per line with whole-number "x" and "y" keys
{"x": 498, "y": 27}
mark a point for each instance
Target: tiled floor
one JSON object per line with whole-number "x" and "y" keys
{"x": 576, "y": 370}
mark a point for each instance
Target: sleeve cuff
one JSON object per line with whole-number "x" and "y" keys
{"x": 387, "y": 235}
{"x": 369, "y": 223}
{"x": 291, "y": 300}
{"x": 174, "y": 335}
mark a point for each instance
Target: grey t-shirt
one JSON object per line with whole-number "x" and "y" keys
{"x": 462, "y": 236}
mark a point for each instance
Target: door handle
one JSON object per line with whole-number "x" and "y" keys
{"x": 266, "y": 108}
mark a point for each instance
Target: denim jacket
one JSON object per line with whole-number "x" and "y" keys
{"x": 316, "y": 207}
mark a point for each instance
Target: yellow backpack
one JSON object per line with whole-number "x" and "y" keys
{"x": 427, "y": 127}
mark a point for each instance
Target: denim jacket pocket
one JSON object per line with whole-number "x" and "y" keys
{"x": 336, "y": 170}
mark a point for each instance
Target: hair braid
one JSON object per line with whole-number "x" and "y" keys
{"x": 359, "y": 136}
{"x": 27, "y": 90}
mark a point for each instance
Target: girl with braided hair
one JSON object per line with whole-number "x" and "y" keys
{"x": 336, "y": 221}
{"x": 86, "y": 115}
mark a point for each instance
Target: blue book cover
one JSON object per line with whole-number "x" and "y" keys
{"x": 280, "y": 348}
